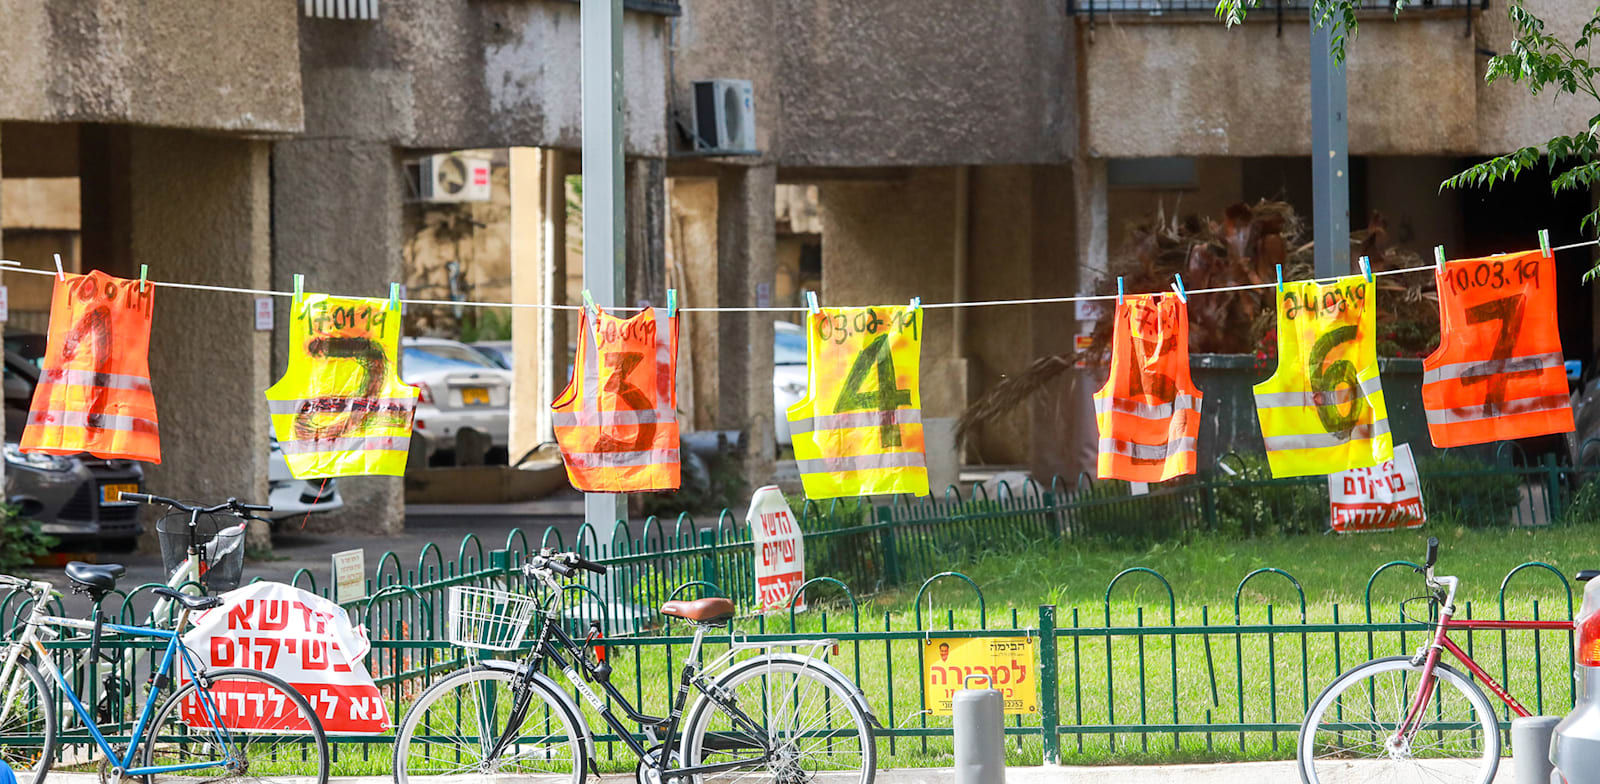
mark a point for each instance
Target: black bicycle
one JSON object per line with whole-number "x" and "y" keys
{"x": 757, "y": 714}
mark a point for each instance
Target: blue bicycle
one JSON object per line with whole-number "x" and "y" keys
{"x": 219, "y": 725}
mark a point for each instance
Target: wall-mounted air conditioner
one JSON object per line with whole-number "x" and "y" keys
{"x": 452, "y": 177}
{"x": 342, "y": 9}
{"x": 724, "y": 116}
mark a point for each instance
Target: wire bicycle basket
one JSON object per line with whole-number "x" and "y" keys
{"x": 488, "y": 618}
{"x": 221, "y": 549}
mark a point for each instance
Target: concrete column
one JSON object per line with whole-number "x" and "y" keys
{"x": 2, "y": 282}
{"x": 200, "y": 213}
{"x": 1075, "y": 407}
{"x": 746, "y": 265}
{"x": 336, "y": 219}
{"x": 646, "y": 190}
{"x": 538, "y": 274}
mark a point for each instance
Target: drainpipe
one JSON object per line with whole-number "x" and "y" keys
{"x": 962, "y": 246}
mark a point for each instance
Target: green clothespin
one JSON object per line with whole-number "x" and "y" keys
{"x": 589, "y": 307}
{"x": 1544, "y": 244}
{"x": 394, "y": 296}
{"x": 299, "y": 289}
{"x": 144, "y": 272}
{"x": 811, "y": 303}
{"x": 672, "y": 302}
{"x": 1366, "y": 269}
{"x": 1438, "y": 257}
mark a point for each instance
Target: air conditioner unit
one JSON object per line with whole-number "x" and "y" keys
{"x": 452, "y": 177}
{"x": 724, "y": 116}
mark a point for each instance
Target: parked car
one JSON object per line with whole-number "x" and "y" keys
{"x": 290, "y": 497}
{"x": 1575, "y": 745}
{"x": 72, "y": 496}
{"x": 459, "y": 388}
{"x": 788, "y": 374}
{"x": 498, "y": 351}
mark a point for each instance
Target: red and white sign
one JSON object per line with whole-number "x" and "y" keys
{"x": 780, "y": 550}
{"x": 299, "y": 637}
{"x": 1384, "y": 497}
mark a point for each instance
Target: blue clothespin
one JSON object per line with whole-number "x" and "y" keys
{"x": 394, "y": 296}
{"x": 1544, "y": 244}
{"x": 1438, "y": 257}
{"x": 1177, "y": 285}
{"x": 299, "y": 288}
{"x": 61, "y": 274}
{"x": 811, "y": 303}
{"x": 1280, "y": 278}
{"x": 144, "y": 272}
{"x": 1119, "y": 291}
{"x": 672, "y": 302}
{"x": 916, "y": 303}
{"x": 1366, "y": 268}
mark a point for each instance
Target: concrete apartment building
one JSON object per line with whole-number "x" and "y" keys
{"x": 956, "y": 150}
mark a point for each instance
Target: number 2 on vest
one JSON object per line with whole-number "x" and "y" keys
{"x": 887, "y": 397}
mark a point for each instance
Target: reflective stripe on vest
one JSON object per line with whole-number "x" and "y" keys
{"x": 94, "y": 390}
{"x": 1498, "y": 373}
{"x": 340, "y": 408}
{"x": 858, "y": 430}
{"x": 1323, "y": 410}
{"x": 1148, "y": 412}
{"x": 617, "y": 420}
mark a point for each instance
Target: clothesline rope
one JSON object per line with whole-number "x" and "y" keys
{"x": 930, "y": 305}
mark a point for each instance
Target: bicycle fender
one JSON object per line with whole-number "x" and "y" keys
{"x": 555, "y": 688}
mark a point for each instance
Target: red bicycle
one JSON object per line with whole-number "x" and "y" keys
{"x": 1412, "y": 718}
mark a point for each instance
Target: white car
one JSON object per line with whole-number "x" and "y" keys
{"x": 788, "y": 374}
{"x": 459, "y": 388}
{"x": 290, "y": 497}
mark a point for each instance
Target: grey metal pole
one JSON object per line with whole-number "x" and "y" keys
{"x": 603, "y": 217}
{"x": 1330, "y": 157}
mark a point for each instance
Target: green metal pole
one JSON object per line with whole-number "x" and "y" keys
{"x": 1049, "y": 694}
{"x": 891, "y": 561}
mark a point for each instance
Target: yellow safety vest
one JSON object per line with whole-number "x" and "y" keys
{"x": 340, "y": 408}
{"x": 1323, "y": 410}
{"x": 859, "y": 429}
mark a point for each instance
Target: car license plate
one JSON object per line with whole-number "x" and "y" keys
{"x": 474, "y": 396}
{"x": 112, "y": 494}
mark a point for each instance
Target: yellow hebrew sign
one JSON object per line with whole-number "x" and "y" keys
{"x": 1010, "y": 661}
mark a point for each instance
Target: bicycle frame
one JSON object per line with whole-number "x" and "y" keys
{"x": 30, "y": 641}
{"x": 1442, "y": 642}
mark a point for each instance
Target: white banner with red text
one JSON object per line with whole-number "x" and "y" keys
{"x": 780, "y": 550}
{"x": 1384, "y": 497}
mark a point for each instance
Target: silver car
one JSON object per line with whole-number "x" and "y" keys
{"x": 1575, "y": 747}
{"x": 788, "y": 375}
{"x": 459, "y": 388}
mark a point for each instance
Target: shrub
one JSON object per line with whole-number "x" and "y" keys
{"x": 20, "y": 539}
{"x": 1469, "y": 492}
{"x": 1253, "y": 503}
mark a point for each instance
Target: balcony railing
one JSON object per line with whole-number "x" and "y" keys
{"x": 1185, "y": 7}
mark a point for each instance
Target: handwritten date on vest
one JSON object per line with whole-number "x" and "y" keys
{"x": 1312, "y": 304}
{"x": 1492, "y": 274}
{"x": 840, "y": 326}
{"x": 362, "y": 319}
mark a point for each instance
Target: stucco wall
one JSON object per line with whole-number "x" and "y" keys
{"x": 230, "y": 66}
{"x": 454, "y": 74}
{"x": 1509, "y": 116}
{"x": 1195, "y": 87}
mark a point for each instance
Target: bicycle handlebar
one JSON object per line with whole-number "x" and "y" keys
{"x": 563, "y": 564}
{"x": 231, "y": 505}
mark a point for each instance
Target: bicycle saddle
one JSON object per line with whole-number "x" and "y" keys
{"x": 196, "y": 603}
{"x": 708, "y": 611}
{"x": 97, "y": 577}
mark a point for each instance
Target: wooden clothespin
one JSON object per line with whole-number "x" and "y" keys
{"x": 299, "y": 289}
{"x": 61, "y": 274}
{"x": 1438, "y": 257}
{"x": 394, "y": 296}
{"x": 916, "y": 303}
{"x": 144, "y": 273}
{"x": 1366, "y": 269}
{"x": 1119, "y": 291}
{"x": 1280, "y": 278}
{"x": 1177, "y": 285}
{"x": 1544, "y": 244}
{"x": 811, "y": 303}
{"x": 672, "y": 302}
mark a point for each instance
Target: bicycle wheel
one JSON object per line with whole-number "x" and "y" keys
{"x": 27, "y": 724}
{"x": 810, "y": 718}
{"x": 1347, "y": 734}
{"x": 449, "y": 729}
{"x": 245, "y": 725}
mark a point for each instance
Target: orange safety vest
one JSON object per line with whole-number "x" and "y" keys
{"x": 617, "y": 420}
{"x": 1498, "y": 371}
{"x": 94, "y": 391}
{"x": 1148, "y": 412}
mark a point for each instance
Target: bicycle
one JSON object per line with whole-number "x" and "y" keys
{"x": 213, "y": 565}
{"x": 221, "y": 724}
{"x": 1400, "y": 720}
{"x": 780, "y": 717}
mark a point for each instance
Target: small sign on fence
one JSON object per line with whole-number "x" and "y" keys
{"x": 349, "y": 576}
{"x": 1384, "y": 497}
{"x": 1008, "y": 661}
{"x": 780, "y": 556}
